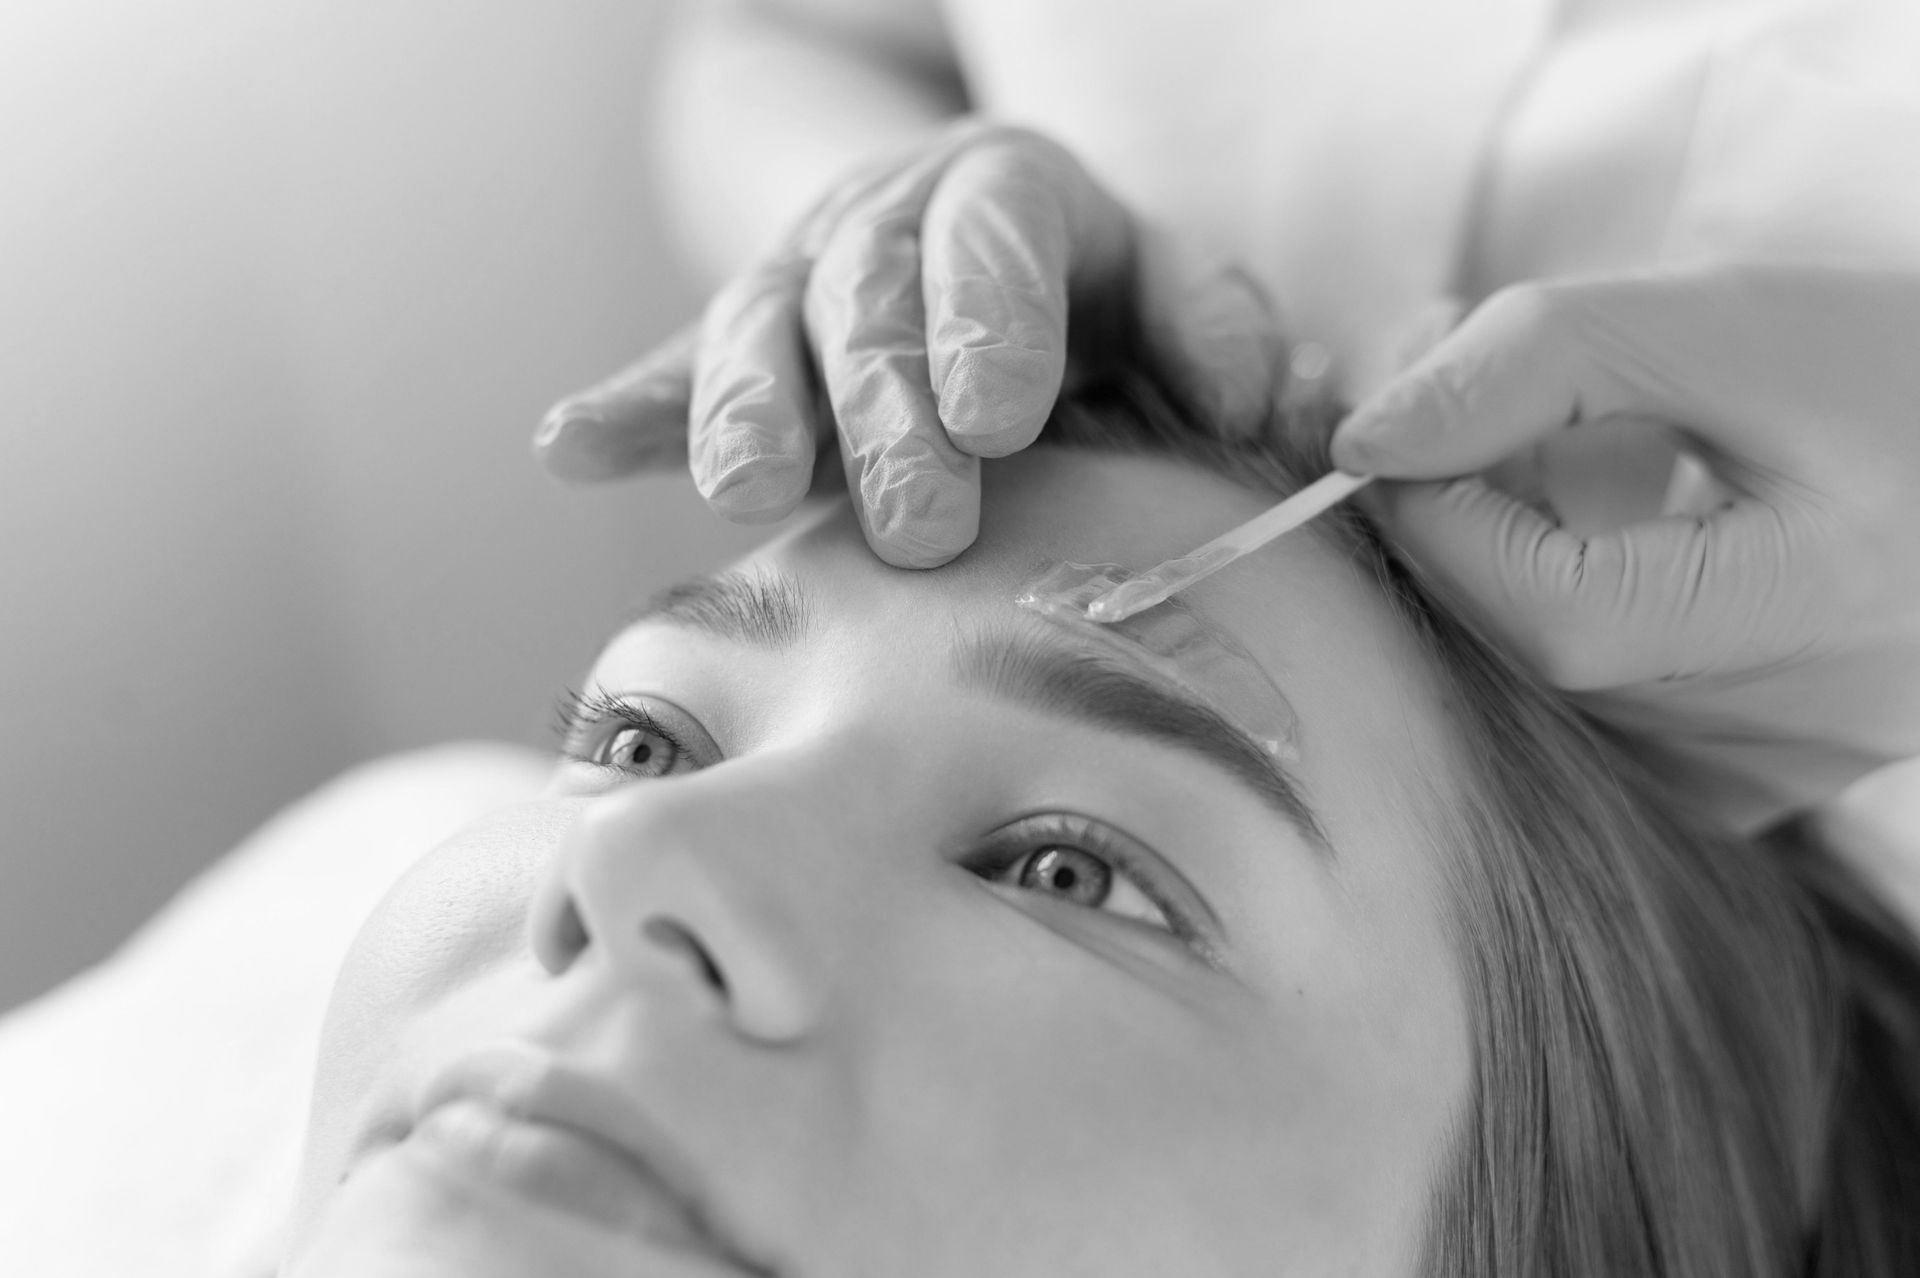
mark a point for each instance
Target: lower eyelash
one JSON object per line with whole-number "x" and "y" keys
{"x": 1083, "y": 833}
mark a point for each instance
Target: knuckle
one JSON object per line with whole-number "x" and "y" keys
{"x": 1556, "y": 594}
{"x": 866, "y": 292}
{"x": 1581, "y": 645}
{"x": 882, "y": 406}
{"x": 1530, "y": 310}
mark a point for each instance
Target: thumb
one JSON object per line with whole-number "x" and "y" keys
{"x": 1660, "y": 598}
{"x": 635, "y": 420}
{"x": 1528, "y": 361}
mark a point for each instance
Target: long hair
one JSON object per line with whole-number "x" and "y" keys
{"x": 1694, "y": 1054}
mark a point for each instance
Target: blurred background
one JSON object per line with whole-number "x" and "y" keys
{"x": 284, "y": 290}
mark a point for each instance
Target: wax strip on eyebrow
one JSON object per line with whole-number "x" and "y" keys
{"x": 1176, "y": 645}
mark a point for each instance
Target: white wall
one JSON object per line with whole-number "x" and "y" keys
{"x": 283, "y": 290}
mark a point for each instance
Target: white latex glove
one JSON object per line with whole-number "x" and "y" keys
{"x": 1773, "y": 642}
{"x": 930, "y": 298}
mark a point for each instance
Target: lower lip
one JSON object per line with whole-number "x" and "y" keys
{"x": 556, "y": 1167}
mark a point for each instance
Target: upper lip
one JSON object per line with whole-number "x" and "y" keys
{"x": 530, "y": 1083}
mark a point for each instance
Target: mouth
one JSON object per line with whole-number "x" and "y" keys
{"x": 518, "y": 1119}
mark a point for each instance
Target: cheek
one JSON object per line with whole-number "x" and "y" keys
{"x": 460, "y": 911}
{"x": 1111, "y": 1120}
{"x": 1104, "y": 1125}
{"x": 457, "y": 915}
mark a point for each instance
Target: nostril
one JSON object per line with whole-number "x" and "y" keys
{"x": 559, "y": 933}
{"x": 676, "y": 937}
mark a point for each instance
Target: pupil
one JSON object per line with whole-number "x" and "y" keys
{"x": 1069, "y": 873}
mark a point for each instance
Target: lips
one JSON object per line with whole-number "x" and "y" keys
{"x": 516, "y": 1118}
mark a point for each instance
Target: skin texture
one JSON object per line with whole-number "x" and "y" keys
{"x": 877, "y": 1055}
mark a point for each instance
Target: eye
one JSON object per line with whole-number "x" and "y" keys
{"x": 1079, "y": 877}
{"x": 1072, "y": 874}
{"x": 1081, "y": 862}
{"x": 645, "y": 752}
{"x": 639, "y": 738}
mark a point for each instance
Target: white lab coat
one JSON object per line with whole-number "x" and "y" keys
{"x": 1376, "y": 161}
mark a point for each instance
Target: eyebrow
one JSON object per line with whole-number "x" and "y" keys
{"x": 766, "y": 610}
{"x": 1026, "y": 670}
{"x": 760, "y": 609}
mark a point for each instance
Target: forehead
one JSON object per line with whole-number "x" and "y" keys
{"x": 1373, "y": 727}
{"x": 1049, "y": 505}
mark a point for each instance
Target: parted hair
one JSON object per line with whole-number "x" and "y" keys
{"x": 1695, "y": 1054}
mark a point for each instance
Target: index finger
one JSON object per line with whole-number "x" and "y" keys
{"x": 998, "y": 242}
{"x": 1527, "y": 361}
{"x": 632, "y": 421}
{"x": 1743, "y": 359}
{"x": 917, "y": 496}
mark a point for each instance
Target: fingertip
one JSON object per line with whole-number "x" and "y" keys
{"x": 1374, "y": 438}
{"x": 758, "y": 492}
{"x": 1009, "y": 439}
{"x": 550, "y": 444}
{"x": 996, "y": 400}
{"x": 576, "y": 444}
{"x": 927, "y": 539}
{"x": 1353, "y": 450}
{"x": 751, "y": 467}
{"x": 919, "y": 520}
{"x": 1375, "y": 501}
{"x": 913, "y": 554}
{"x": 656, "y": 386}
{"x": 1246, "y": 407}
{"x": 556, "y": 423}
{"x": 751, "y": 453}
{"x": 983, "y": 433}
{"x": 1241, "y": 371}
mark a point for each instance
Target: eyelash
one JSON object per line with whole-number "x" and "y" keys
{"x": 585, "y": 722}
{"x": 1018, "y": 842}
{"x": 582, "y": 720}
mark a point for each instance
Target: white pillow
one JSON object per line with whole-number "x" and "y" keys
{"x": 151, "y": 1109}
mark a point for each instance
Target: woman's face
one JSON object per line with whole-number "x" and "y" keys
{"x": 916, "y": 956}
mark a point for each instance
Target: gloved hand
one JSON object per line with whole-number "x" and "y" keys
{"x": 1774, "y": 642}
{"x": 932, "y": 297}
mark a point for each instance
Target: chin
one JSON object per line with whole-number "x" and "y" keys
{"x": 401, "y": 1215}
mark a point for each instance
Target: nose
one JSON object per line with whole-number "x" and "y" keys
{"x": 692, "y": 890}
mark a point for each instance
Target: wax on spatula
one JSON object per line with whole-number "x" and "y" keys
{"x": 1143, "y": 591}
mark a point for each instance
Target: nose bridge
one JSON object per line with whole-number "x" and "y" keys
{"x": 742, "y": 885}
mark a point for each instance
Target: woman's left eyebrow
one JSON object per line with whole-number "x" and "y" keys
{"x": 1037, "y": 673}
